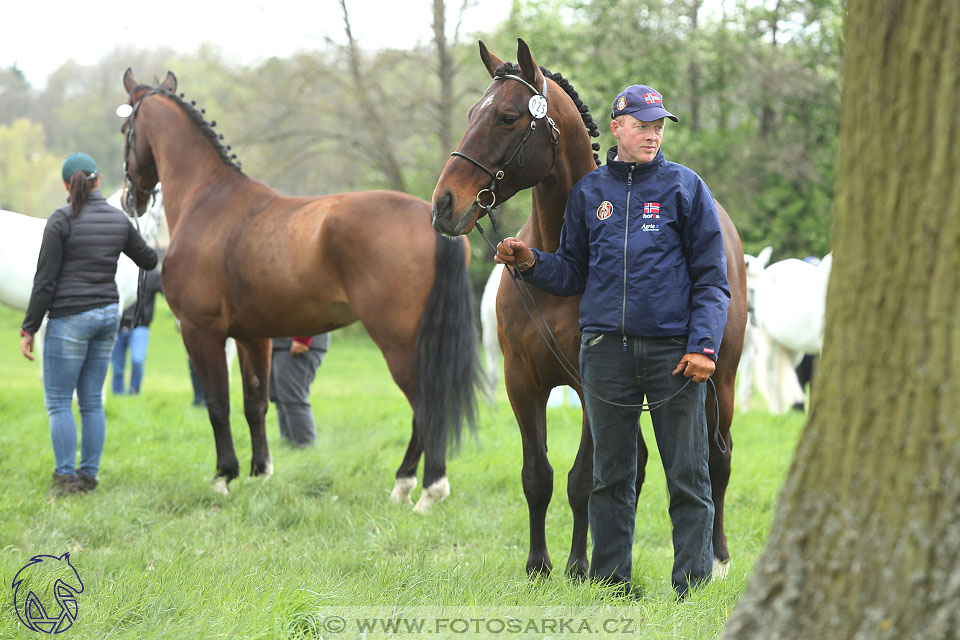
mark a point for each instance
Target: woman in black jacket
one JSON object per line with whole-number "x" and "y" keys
{"x": 75, "y": 284}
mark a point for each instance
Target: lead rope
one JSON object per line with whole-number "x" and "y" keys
{"x": 553, "y": 345}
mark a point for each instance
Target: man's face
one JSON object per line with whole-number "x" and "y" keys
{"x": 637, "y": 141}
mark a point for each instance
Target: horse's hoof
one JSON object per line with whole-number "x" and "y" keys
{"x": 432, "y": 495}
{"x": 402, "y": 489}
{"x": 220, "y": 485}
{"x": 577, "y": 569}
{"x": 264, "y": 471}
{"x": 720, "y": 569}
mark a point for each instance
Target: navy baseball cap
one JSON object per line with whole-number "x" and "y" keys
{"x": 642, "y": 102}
{"x": 77, "y": 162}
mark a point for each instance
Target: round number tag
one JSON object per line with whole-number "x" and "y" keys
{"x": 124, "y": 110}
{"x": 537, "y": 106}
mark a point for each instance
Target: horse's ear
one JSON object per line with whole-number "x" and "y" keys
{"x": 169, "y": 83}
{"x": 764, "y": 256}
{"x": 490, "y": 61}
{"x": 129, "y": 82}
{"x": 528, "y": 67}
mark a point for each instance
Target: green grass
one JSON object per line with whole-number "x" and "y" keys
{"x": 162, "y": 556}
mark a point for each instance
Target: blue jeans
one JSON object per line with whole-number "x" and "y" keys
{"x": 136, "y": 340}
{"x": 627, "y": 376}
{"x": 76, "y": 354}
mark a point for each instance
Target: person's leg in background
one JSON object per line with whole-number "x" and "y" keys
{"x": 139, "y": 338}
{"x": 199, "y": 399}
{"x": 119, "y": 361}
{"x": 291, "y": 377}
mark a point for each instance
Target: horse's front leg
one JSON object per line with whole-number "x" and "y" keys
{"x": 530, "y": 408}
{"x": 205, "y": 349}
{"x": 255, "y": 371}
{"x": 579, "y": 486}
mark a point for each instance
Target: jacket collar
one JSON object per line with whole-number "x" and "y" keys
{"x": 621, "y": 168}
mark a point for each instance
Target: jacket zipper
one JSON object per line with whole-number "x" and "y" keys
{"x": 626, "y": 238}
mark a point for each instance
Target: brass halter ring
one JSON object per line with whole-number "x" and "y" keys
{"x": 493, "y": 199}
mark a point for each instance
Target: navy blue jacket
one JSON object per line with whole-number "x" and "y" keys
{"x": 642, "y": 243}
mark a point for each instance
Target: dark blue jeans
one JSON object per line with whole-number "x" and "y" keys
{"x": 627, "y": 376}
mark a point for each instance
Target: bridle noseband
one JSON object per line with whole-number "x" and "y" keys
{"x": 538, "y": 110}
{"x": 129, "y": 201}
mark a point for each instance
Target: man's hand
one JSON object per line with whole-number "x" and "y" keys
{"x": 514, "y": 251}
{"x": 26, "y": 346}
{"x": 298, "y": 348}
{"x": 696, "y": 366}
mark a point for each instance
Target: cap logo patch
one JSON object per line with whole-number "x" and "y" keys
{"x": 605, "y": 210}
{"x": 652, "y": 98}
{"x": 621, "y": 103}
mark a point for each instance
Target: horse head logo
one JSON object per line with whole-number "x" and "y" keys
{"x": 45, "y": 593}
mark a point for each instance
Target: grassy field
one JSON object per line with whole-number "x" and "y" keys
{"x": 319, "y": 545}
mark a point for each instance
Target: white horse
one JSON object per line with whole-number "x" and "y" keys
{"x": 488, "y": 330}
{"x": 559, "y": 396}
{"x": 786, "y": 303}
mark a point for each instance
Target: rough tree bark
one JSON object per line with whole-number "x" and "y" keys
{"x": 866, "y": 540}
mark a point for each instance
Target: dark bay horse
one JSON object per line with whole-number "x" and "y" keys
{"x": 556, "y": 153}
{"x": 247, "y": 262}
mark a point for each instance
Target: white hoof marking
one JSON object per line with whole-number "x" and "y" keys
{"x": 720, "y": 569}
{"x": 402, "y": 490}
{"x": 220, "y": 486}
{"x": 432, "y": 495}
{"x": 267, "y": 469}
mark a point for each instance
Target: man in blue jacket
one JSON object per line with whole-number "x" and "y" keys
{"x": 641, "y": 242}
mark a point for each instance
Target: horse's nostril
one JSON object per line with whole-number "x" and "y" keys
{"x": 443, "y": 205}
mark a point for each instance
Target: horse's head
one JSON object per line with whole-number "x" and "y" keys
{"x": 140, "y": 168}
{"x": 510, "y": 143}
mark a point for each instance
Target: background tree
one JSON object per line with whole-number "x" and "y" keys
{"x": 759, "y": 112}
{"x": 866, "y": 541}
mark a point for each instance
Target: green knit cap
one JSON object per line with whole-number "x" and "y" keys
{"x": 78, "y": 161}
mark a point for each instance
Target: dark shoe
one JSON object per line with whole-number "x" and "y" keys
{"x": 63, "y": 484}
{"x": 84, "y": 483}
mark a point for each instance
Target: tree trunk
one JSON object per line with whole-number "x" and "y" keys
{"x": 693, "y": 12}
{"x": 370, "y": 117}
{"x": 866, "y": 540}
{"x": 445, "y": 73}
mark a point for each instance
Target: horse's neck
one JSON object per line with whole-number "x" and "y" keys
{"x": 186, "y": 161}
{"x": 550, "y": 197}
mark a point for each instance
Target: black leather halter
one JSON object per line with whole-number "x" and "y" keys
{"x": 494, "y": 189}
{"x": 129, "y": 205}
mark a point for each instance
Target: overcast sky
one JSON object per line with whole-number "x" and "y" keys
{"x": 40, "y": 35}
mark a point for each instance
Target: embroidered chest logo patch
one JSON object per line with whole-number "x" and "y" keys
{"x": 605, "y": 210}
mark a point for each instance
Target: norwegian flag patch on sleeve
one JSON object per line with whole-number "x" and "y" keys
{"x": 709, "y": 350}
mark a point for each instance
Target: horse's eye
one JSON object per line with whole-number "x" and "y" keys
{"x": 508, "y": 119}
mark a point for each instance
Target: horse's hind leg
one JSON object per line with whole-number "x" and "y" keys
{"x": 406, "y": 480}
{"x": 255, "y": 370}
{"x": 720, "y": 468}
{"x": 206, "y": 352}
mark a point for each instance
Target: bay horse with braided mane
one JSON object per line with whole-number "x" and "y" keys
{"x": 556, "y": 152}
{"x": 247, "y": 262}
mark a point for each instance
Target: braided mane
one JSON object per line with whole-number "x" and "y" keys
{"x": 196, "y": 117}
{"x": 511, "y": 68}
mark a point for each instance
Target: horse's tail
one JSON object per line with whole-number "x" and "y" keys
{"x": 448, "y": 363}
